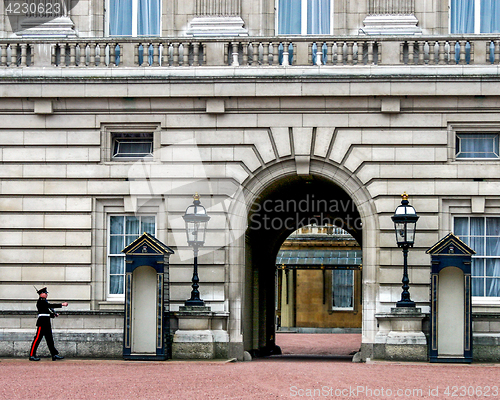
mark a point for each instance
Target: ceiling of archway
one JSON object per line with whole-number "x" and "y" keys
{"x": 293, "y": 202}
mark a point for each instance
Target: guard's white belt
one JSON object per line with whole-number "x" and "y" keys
{"x": 44, "y": 315}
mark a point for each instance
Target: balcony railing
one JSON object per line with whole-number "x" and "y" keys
{"x": 249, "y": 51}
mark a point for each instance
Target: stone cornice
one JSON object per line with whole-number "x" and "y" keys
{"x": 232, "y": 74}
{"x": 210, "y": 82}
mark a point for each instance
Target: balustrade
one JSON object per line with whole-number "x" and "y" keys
{"x": 249, "y": 51}
{"x": 443, "y": 52}
{"x": 86, "y": 54}
{"x": 16, "y": 54}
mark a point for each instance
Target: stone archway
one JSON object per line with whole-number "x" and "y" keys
{"x": 269, "y": 199}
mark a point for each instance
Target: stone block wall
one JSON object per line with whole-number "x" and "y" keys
{"x": 76, "y": 334}
{"x": 57, "y": 187}
{"x": 486, "y": 335}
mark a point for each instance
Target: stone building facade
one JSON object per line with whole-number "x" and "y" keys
{"x": 106, "y": 133}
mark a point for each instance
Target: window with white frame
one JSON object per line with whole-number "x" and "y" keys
{"x": 134, "y": 17}
{"x": 477, "y": 145}
{"x": 474, "y": 16}
{"x": 123, "y": 230}
{"x": 482, "y": 234}
{"x": 343, "y": 289}
{"x": 304, "y": 17}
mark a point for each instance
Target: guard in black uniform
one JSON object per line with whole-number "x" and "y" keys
{"x": 45, "y": 313}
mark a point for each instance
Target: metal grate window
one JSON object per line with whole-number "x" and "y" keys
{"x": 132, "y": 145}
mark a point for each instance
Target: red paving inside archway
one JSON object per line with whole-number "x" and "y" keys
{"x": 338, "y": 344}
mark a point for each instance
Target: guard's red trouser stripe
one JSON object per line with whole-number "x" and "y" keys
{"x": 35, "y": 342}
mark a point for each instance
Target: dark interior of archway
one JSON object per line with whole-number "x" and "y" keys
{"x": 282, "y": 208}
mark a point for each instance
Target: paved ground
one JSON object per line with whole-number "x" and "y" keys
{"x": 318, "y": 344}
{"x": 288, "y": 376}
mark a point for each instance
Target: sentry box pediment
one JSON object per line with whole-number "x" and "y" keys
{"x": 450, "y": 245}
{"x": 147, "y": 244}
{"x": 450, "y": 251}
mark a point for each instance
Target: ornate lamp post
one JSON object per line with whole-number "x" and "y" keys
{"x": 196, "y": 220}
{"x": 405, "y": 223}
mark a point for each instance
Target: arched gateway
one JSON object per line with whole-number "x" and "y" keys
{"x": 274, "y": 203}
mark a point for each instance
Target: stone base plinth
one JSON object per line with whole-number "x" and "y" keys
{"x": 38, "y": 27}
{"x": 193, "y": 344}
{"x": 390, "y": 25}
{"x": 400, "y": 335}
{"x": 217, "y": 26}
{"x": 194, "y": 318}
{"x": 202, "y": 334}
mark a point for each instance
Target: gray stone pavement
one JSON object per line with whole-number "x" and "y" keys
{"x": 287, "y": 376}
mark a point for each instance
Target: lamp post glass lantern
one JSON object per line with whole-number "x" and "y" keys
{"x": 405, "y": 224}
{"x": 196, "y": 220}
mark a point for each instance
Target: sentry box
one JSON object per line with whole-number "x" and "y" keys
{"x": 451, "y": 308}
{"x": 146, "y": 333}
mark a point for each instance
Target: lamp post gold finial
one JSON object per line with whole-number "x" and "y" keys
{"x": 404, "y": 196}
{"x": 196, "y": 197}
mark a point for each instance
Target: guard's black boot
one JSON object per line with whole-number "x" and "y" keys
{"x": 34, "y": 359}
{"x": 57, "y": 357}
